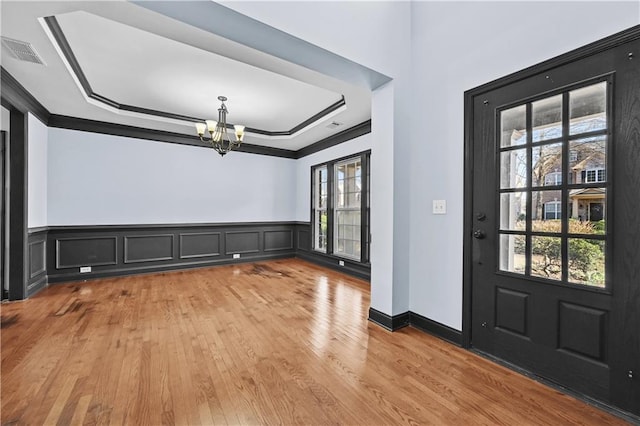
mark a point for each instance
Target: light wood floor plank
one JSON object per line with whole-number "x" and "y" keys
{"x": 282, "y": 342}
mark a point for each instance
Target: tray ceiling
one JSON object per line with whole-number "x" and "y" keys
{"x": 139, "y": 58}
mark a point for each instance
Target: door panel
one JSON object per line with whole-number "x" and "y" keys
{"x": 555, "y": 275}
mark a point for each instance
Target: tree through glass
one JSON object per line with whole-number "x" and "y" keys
{"x": 553, "y": 186}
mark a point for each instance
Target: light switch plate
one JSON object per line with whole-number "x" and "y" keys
{"x": 439, "y": 206}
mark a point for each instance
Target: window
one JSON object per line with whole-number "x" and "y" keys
{"x": 348, "y": 208}
{"x": 595, "y": 175}
{"x": 320, "y": 179}
{"x": 552, "y": 210}
{"x": 340, "y": 207}
{"x": 554, "y": 178}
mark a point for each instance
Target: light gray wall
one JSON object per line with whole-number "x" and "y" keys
{"x": 458, "y": 46}
{"x": 4, "y": 119}
{"x": 37, "y": 172}
{"x": 104, "y": 179}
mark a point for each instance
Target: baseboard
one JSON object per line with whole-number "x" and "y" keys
{"x": 355, "y": 269}
{"x": 437, "y": 329}
{"x": 396, "y": 322}
{"x": 37, "y": 285}
{"x": 141, "y": 270}
{"x": 391, "y": 323}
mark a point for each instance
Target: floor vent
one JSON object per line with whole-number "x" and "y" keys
{"x": 22, "y": 50}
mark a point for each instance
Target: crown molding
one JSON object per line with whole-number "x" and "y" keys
{"x": 14, "y": 95}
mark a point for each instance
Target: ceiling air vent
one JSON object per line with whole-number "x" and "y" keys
{"x": 334, "y": 124}
{"x": 22, "y": 50}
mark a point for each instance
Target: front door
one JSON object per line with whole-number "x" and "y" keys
{"x": 596, "y": 212}
{"x": 551, "y": 292}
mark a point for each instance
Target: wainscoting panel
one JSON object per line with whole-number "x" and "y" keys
{"x": 200, "y": 244}
{"x": 240, "y": 242}
{"x": 85, "y": 251}
{"x": 148, "y": 248}
{"x": 37, "y": 258}
{"x": 115, "y": 250}
{"x": 278, "y": 240}
{"x": 37, "y": 243}
{"x": 303, "y": 237}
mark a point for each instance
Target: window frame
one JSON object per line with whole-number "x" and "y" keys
{"x": 346, "y": 207}
{"x": 365, "y": 231}
{"x": 317, "y": 208}
{"x": 598, "y": 174}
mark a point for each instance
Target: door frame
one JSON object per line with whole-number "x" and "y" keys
{"x": 3, "y": 205}
{"x": 615, "y": 40}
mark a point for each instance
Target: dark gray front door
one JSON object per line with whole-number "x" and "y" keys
{"x": 551, "y": 292}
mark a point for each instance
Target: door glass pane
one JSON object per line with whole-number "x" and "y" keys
{"x": 512, "y": 253}
{"x": 588, "y": 160}
{"x": 546, "y": 165}
{"x": 513, "y": 211}
{"x": 513, "y": 169}
{"x": 546, "y": 257}
{"x": 588, "y": 109}
{"x": 546, "y": 211}
{"x": 513, "y": 126}
{"x": 586, "y": 261}
{"x": 546, "y": 115}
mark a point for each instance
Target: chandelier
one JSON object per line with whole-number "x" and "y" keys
{"x": 218, "y": 137}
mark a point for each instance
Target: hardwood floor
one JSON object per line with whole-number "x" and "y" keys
{"x": 282, "y": 342}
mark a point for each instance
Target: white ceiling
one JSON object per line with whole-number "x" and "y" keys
{"x": 137, "y": 57}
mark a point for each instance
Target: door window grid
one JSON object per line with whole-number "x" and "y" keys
{"x": 543, "y": 145}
